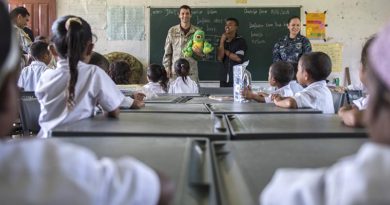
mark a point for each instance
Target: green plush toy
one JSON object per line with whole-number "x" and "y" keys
{"x": 197, "y": 41}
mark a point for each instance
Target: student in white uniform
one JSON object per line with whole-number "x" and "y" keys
{"x": 360, "y": 179}
{"x": 157, "y": 79}
{"x": 30, "y": 75}
{"x": 72, "y": 90}
{"x": 184, "y": 84}
{"x": 280, "y": 75}
{"x": 352, "y": 115}
{"x": 313, "y": 69}
{"x": 35, "y": 171}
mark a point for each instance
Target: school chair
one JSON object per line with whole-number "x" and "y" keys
{"x": 352, "y": 95}
{"x": 338, "y": 100}
{"x": 29, "y": 113}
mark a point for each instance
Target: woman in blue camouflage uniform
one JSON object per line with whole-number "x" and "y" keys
{"x": 291, "y": 47}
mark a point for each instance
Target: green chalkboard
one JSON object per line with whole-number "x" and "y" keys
{"x": 260, "y": 27}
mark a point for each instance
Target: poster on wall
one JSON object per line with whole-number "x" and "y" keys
{"x": 334, "y": 50}
{"x": 315, "y": 25}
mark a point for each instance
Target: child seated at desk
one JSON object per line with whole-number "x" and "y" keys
{"x": 72, "y": 90}
{"x": 158, "y": 79}
{"x": 359, "y": 179}
{"x": 352, "y": 115}
{"x": 313, "y": 69}
{"x": 120, "y": 72}
{"x": 35, "y": 171}
{"x": 183, "y": 83}
{"x": 30, "y": 75}
{"x": 280, "y": 75}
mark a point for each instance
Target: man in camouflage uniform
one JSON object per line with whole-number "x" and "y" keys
{"x": 20, "y": 17}
{"x": 176, "y": 40}
{"x": 291, "y": 47}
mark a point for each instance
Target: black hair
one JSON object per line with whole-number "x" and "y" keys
{"x": 99, "y": 60}
{"x": 295, "y": 69}
{"x": 293, "y": 17}
{"x": 317, "y": 64}
{"x": 38, "y": 49}
{"x": 19, "y": 11}
{"x": 379, "y": 101}
{"x": 40, "y": 38}
{"x": 120, "y": 72}
{"x": 182, "y": 68}
{"x": 186, "y": 7}
{"x": 282, "y": 72}
{"x": 156, "y": 73}
{"x": 71, "y": 35}
{"x": 364, "y": 56}
{"x": 233, "y": 19}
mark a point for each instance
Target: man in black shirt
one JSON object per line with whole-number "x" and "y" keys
{"x": 231, "y": 51}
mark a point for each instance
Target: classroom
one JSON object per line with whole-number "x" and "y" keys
{"x": 194, "y": 102}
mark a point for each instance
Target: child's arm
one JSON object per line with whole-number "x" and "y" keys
{"x": 286, "y": 102}
{"x": 249, "y": 95}
{"x": 114, "y": 113}
{"x": 351, "y": 116}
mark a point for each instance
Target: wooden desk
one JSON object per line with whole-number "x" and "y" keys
{"x": 211, "y": 99}
{"x": 186, "y": 162}
{"x": 270, "y": 126}
{"x": 216, "y": 90}
{"x": 148, "y": 124}
{"x": 244, "y": 168}
{"x": 170, "y": 108}
{"x": 250, "y": 108}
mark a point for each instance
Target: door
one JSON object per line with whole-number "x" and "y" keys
{"x": 42, "y": 14}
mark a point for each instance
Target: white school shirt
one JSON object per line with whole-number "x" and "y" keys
{"x": 53, "y": 172}
{"x": 286, "y": 91}
{"x": 317, "y": 96}
{"x": 295, "y": 86}
{"x": 153, "y": 87}
{"x": 361, "y": 103}
{"x": 93, "y": 87}
{"x": 30, "y": 75}
{"x": 178, "y": 86}
{"x": 363, "y": 178}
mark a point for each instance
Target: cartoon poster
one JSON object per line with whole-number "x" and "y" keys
{"x": 315, "y": 25}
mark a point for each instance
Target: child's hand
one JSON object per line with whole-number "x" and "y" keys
{"x": 263, "y": 94}
{"x": 345, "y": 108}
{"x": 247, "y": 93}
{"x": 139, "y": 96}
{"x": 276, "y": 97}
{"x": 137, "y": 104}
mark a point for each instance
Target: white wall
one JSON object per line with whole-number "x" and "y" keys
{"x": 350, "y": 22}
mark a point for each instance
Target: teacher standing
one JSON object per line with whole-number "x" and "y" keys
{"x": 176, "y": 40}
{"x": 292, "y": 46}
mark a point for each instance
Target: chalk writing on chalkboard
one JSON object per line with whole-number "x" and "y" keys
{"x": 260, "y": 27}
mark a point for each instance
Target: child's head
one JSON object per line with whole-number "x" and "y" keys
{"x": 39, "y": 51}
{"x": 280, "y": 74}
{"x": 100, "y": 60}
{"x": 120, "y": 72}
{"x": 42, "y": 38}
{"x": 377, "y": 116}
{"x": 182, "y": 68}
{"x": 313, "y": 67}
{"x": 9, "y": 64}
{"x": 156, "y": 73}
{"x": 364, "y": 60}
{"x": 72, "y": 38}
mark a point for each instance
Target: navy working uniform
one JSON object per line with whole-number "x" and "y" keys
{"x": 290, "y": 50}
